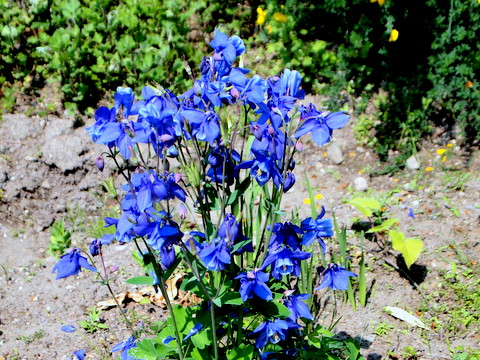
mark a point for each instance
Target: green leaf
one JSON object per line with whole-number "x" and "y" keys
{"x": 365, "y": 205}
{"x": 385, "y": 226}
{"x": 229, "y": 298}
{"x": 409, "y": 248}
{"x": 148, "y": 350}
{"x": 275, "y": 309}
{"x": 243, "y": 352}
{"x": 141, "y": 280}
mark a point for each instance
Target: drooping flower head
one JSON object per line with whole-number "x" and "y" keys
{"x": 263, "y": 168}
{"x": 335, "y": 277}
{"x": 317, "y": 229}
{"x": 71, "y": 264}
{"x": 254, "y": 283}
{"x": 297, "y": 307}
{"x": 273, "y": 332}
{"x": 215, "y": 255}
{"x": 124, "y": 98}
{"x": 285, "y": 261}
{"x": 227, "y": 49}
{"x": 205, "y": 125}
{"x": 222, "y": 163}
{"x": 286, "y": 234}
{"x": 320, "y": 124}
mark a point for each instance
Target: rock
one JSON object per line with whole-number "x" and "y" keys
{"x": 413, "y": 163}
{"x": 334, "y": 153}
{"x": 64, "y": 152}
{"x": 360, "y": 184}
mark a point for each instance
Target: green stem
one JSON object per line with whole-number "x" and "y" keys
{"x": 210, "y": 299}
{"x": 163, "y": 290}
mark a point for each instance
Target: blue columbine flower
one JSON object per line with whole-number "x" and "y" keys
{"x": 289, "y": 182}
{"x": 254, "y": 283}
{"x": 231, "y": 231}
{"x": 317, "y": 229}
{"x": 249, "y": 91}
{"x": 320, "y": 124}
{"x": 205, "y": 125}
{"x": 95, "y": 247}
{"x": 273, "y": 332}
{"x": 215, "y": 255}
{"x": 297, "y": 307}
{"x": 227, "y": 49}
{"x": 285, "y": 235}
{"x": 335, "y": 277}
{"x": 222, "y": 163}
{"x": 71, "y": 264}
{"x": 124, "y": 346}
{"x": 263, "y": 168}
{"x": 124, "y": 97}
{"x": 285, "y": 261}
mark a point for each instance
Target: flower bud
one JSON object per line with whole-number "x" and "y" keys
{"x": 166, "y": 137}
{"x": 178, "y": 177}
{"x": 95, "y": 247}
{"x": 299, "y": 146}
{"x": 235, "y": 93}
{"x": 271, "y": 130}
{"x": 182, "y": 211}
{"x": 100, "y": 163}
{"x": 257, "y": 131}
{"x": 289, "y": 182}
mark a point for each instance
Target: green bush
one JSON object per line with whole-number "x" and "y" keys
{"x": 91, "y": 47}
{"x": 430, "y": 73}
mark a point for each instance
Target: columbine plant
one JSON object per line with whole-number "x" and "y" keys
{"x": 216, "y": 209}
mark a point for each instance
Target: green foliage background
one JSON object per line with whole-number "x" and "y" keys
{"x": 430, "y": 75}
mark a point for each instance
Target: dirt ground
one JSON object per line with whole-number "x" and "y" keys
{"x": 48, "y": 172}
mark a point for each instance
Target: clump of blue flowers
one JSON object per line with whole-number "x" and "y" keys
{"x": 250, "y": 264}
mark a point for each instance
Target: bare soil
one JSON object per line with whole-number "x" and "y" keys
{"x": 48, "y": 172}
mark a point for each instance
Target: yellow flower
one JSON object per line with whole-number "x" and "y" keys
{"x": 441, "y": 151}
{"x": 450, "y": 145}
{"x": 393, "y": 35}
{"x": 261, "y": 16}
{"x": 280, "y": 17}
{"x": 444, "y": 158}
{"x": 269, "y": 28}
{"x": 428, "y": 169}
{"x": 318, "y": 196}
{"x": 307, "y": 201}
{"x": 380, "y": 2}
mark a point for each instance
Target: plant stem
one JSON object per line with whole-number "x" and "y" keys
{"x": 163, "y": 290}
{"x": 210, "y": 299}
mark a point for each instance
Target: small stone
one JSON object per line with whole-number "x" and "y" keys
{"x": 360, "y": 184}
{"x": 335, "y": 154}
{"x": 415, "y": 203}
{"x": 413, "y": 163}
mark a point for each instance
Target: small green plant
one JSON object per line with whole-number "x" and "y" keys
{"x": 94, "y": 322}
{"x": 383, "y": 329}
{"x": 60, "y": 238}
{"x": 409, "y": 352}
{"x": 409, "y": 248}
{"x": 35, "y": 336}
